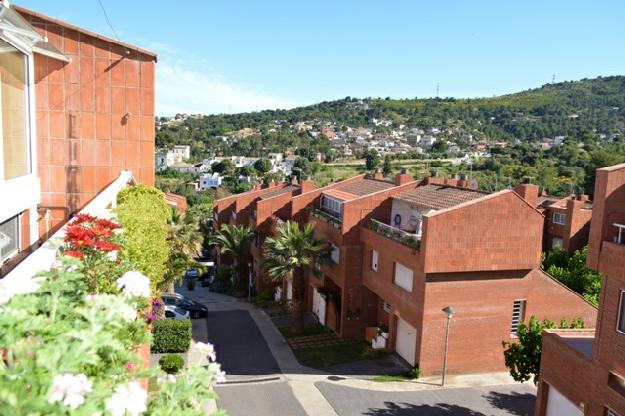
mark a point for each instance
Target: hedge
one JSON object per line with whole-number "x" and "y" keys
{"x": 144, "y": 215}
{"x": 171, "y": 335}
{"x": 171, "y": 363}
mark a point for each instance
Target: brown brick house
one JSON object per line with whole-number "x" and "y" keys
{"x": 583, "y": 372}
{"x": 77, "y": 109}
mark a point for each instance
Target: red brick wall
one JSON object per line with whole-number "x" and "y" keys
{"x": 483, "y": 303}
{"x": 497, "y": 232}
{"x": 84, "y": 138}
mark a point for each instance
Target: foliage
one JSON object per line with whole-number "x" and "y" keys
{"x": 185, "y": 241}
{"x": 290, "y": 255}
{"x": 235, "y": 240}
{"x": 387, "y": 168}
{"x": 171, "y": 363}
{"x": 372, "y": 159}
{"x": 143, "y": 213}
{"x": 262, "y": 165}
{"x": 573, "y": 272}
{"x": 171, "y": 335}
{"x": 223, "y": 281}
{"x": 523, "y": 357}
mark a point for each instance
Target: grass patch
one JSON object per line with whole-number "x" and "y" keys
{"x": 313, "y": 329}
{"x": 323, "y": 357}
{"x": 407, "y": 376}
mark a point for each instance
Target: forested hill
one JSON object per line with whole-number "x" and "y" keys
{"x": 570, "y": 109}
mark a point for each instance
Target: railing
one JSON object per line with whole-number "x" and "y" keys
{"x": 619, "y": 237}
{"x": 326, "y": 217}
{"x": 408, "y": 239}
{"x": 43, "y": 257}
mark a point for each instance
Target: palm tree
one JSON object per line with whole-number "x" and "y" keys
{"x": 289, "y": 255}
{"x": 185, "y": 240}
{"x": 236, "y": 240}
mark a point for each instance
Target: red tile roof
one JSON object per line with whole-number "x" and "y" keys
{"x": 365, "y": 187}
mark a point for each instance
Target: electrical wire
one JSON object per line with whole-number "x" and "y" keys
{"x": 106, "y": 16}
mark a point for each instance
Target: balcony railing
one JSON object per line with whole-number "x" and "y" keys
{"x": 326, "y": 217}
{"x": 404, "y": 237}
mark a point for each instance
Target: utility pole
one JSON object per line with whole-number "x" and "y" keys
{"x": 553, "y": 78}
{"x": 437, "y": 89}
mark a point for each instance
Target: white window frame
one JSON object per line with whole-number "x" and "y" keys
{"x": 375, "y": 257}
{"x": 516, "y": 320}
{"x": 561, "y": 218}
{"x": 621, "y": 305}
{"x": 334, "y": 206}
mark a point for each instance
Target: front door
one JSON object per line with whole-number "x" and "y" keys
{"x": 406, "y": 341}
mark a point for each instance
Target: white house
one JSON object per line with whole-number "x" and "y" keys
{"x": 210, "y": 180}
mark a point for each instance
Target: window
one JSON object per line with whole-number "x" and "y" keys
{"x": 610, "y": 412}
{"x": 620, "y": 323}
{"x": 14, "y": 112}
{"x": 374, "y": 260}
{"x": 335, "y": 253}
{"x": 556, "y": 242}
{"x": 518, "y": 315}
{"x": 403, "y": 277}
{"x": 9, "y": 238}
{"x": 331, "y": 205}
{"x": 558, "y": 218}
{"x": 386, "y": 307}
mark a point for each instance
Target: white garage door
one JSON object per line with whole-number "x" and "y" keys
{"x": 558, "y": 405}
{"x": 406, "y": 342}
{"x": 319, "y": 307}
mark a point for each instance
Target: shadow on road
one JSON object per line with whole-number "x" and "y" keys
{"x": 515, "y": 403}
{"x": 407, "y": 409}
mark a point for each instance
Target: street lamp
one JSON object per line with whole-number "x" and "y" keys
{"x": 450, "y": 313}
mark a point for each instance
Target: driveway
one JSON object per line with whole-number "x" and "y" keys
{"x": 259, "y": 399}
{"x": 241, "y": 348}
{"x": 516, "y": 400}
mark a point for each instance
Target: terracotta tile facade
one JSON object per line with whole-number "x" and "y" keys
{"x": 95, "y": 116}
{"x": 594, "y": 382}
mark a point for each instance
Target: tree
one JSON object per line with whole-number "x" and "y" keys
{"x": 523, "y": 357}
{"x": 246, "y": 171}
{"x": 387, "y": 168}
{"x": 440, "y": 146}
{"x": 372, "y": 159}
{"x": 185, "y": 240}
{"x": 301, "y": 167}
{"x": 225, "y": 167}
{"x": 290, "y": 255}
{"x": 235, "y": 240}
{"x": 263, "y": 166}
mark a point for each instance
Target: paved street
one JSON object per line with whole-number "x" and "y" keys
{"x": 517, "y": 400}
{"x": 259, "y": 399}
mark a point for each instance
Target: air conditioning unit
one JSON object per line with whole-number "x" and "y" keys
{"x": 386, "y": 307}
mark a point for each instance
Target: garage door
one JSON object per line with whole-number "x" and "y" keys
{"x": 406, "y": 342}
{"x": 319, "y": 307}
{"x": 558, "y": 405}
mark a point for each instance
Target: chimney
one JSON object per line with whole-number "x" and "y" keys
{"x": 529, "y": 192}
{"x": 403, "y": 177}
{"x": 378, "y": 175}
{"x": 308, "y": 185}
{"x": 451, "y": 182}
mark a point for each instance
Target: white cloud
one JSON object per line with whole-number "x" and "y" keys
{"x": 181, "y": 89}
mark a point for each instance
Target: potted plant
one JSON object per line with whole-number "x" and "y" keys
{"x": 383, "y": 330}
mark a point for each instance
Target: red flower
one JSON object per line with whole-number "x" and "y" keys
{"x": 82, "y": 218}
{"x": 107, "y": 224}
{"x": 105, "y": 246}
{"x": 75, "y": 254}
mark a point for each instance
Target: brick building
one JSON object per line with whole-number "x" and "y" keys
{"x": 583, "y": 372}
{"x": 404, "y": 249}
{"x": 77, "y": 110}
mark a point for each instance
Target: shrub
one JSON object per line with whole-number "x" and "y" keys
{"x": 144, "y": 215}
{"x": 170, "y": 335}
{"x": 414, "y": 373}
{"x": 171, "y": 363}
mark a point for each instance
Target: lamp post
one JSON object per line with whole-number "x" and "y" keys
{"x": 450, "y": 313}
{"x": 249, "y": 283}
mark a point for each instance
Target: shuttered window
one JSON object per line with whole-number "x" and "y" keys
{"x": 518, "y": 315}
{"x": 9, "y": 238}
{"x": 403, "y": 277}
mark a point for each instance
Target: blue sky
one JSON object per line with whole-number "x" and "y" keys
{"x": 231, "y": 56}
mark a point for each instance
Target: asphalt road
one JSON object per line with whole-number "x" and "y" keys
{"x": 516, "y": 400}
{"x": 241, "y": 348}
{"x": 260, "y": 399}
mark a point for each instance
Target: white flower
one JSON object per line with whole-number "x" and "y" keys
{"x": 70, "y": 389}
{"x": 112, "y": 255}
{"x": 169, "y": 378}
{"x": 134, "y": 284}
{"x": 128, "y": 399}
{"x": 112, "y": 306}
{"x": 205, "y": 349}
{"x": 219, "y": 376}
{"x": 15, "y": 285}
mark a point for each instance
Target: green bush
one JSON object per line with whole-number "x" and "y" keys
{"x": 169, "y": 335}
{"x": 171, "y": 363}
{"x": 143, "y": 213}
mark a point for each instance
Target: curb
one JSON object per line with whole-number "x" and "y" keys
{"x": 251, "y": 380}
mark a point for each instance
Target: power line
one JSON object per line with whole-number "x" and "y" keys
{"x": 106, "y": 16}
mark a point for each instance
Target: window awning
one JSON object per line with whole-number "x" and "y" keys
{"x": 15, "y": 30}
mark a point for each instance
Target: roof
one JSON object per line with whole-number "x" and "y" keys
{"x": 365, "y": 187}
{"x": 41, "y": 16}
{"x": 439, "y": 196}
{"x": 286, "y": 189}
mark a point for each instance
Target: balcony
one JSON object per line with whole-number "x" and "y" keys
{"x": 326, "y": 216}
{"x": 404, "y": 237}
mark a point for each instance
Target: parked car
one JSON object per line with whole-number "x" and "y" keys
{"x": 192, "y": 274}
{"x": 174, "y": 312}
{"x": 195, "y": 309}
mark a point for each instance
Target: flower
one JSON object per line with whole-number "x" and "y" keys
{"x": 205, "y": 349}
{"x": 70, "y": 389}
{"x": 106, "y": 246}
{"x": 130, "y": 366}
{"x": 219, "y": 376}
{"x": 113, "y": 306}
{"x": 134, "y": 284}
{"x": 74, "y": 253}
{"x": 128, "y": 399}
{"x": 169, "y": 378}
